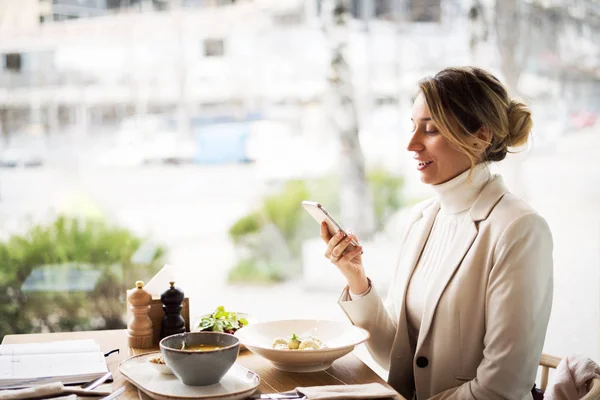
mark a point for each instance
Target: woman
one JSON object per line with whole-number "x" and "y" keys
{"x": 468, "y": 308}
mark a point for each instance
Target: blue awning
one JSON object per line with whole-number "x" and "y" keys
{"x": 71, "y": 277}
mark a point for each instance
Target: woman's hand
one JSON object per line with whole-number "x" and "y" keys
{"x": 346, "y": 257}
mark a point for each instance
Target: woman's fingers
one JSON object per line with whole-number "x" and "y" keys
{"x": 325, "y": 235}
{"x": 338, "y": 245}
{"x": 333, "y": 242}
{"x": 349, "y": 256}
{"x": 341, "y": 247}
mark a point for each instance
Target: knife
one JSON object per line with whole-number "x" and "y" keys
{"x": 114, "y": 394}
{"x": 94, "y": 384}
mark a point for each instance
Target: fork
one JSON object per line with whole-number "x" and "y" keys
{"x": 293, "y": 395}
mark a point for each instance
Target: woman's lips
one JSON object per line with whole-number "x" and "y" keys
{"x": 423, "y": 164}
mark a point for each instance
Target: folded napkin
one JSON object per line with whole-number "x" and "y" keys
{"x": 45, "y": 391}
{"x": 332, "y": 392}
{"x": 571, "y": 378}
{"x": 51, "y": 389}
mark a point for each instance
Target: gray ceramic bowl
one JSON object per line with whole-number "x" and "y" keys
{"x": 200, "y": 368}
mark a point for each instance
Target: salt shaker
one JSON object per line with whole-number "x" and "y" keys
{"x": 139, "y": 328}
{"x": 172, "y": 322}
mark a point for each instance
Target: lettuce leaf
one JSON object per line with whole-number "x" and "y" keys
{"x": 222, "y": 321}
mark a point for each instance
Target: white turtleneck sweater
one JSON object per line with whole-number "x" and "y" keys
{"x": 456, "y": 198}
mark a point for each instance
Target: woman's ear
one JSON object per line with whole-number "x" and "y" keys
{"x": 484, "y": 139}
{"x": 484, "y": 135}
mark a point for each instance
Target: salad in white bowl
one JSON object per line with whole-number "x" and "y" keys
{"x": 322, "y": 342}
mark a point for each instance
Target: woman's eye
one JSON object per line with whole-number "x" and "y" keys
{"x": 431, "y": 131}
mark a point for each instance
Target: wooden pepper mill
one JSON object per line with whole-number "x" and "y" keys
{"x": 172, "y": 322}
{"x": 139, "y": 328}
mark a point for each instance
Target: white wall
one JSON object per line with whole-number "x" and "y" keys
{"x": 564, "y": 187}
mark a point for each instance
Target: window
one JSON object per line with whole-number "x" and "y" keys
{"x": 425, "y": 10}
{"x": 380, "y": 9}
{"x": 383, "y": 9}
{"x": 207, "y": 3}
{"x": 356, "y": 8}
{"x": 83, "y": 3}
{"x": 12, "y": 62}
{"x": 289, "y": 18}
{"x": 214, "y": 48}
{"x": 131, "y": 161}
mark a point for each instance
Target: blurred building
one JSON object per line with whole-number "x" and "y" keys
{"x": 210, "y": 53}
{"x": 18, "y": 15}
{"x": 94, "y": 62}
{"x": 24, "y": 14}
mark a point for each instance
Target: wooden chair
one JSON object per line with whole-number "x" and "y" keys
{"x": 549, "y": 361}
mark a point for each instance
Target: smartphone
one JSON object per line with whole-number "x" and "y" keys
{"x": 320, "y": 214}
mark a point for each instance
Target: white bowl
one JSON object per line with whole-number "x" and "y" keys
{"x": 339, "y": 337}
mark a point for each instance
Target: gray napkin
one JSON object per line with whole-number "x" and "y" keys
{"x": 333, "y": 392}
{"x": 48, "y": 390}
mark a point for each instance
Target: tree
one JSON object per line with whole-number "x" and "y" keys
{"x": 69, "y": 253}
{"x": 355, "y": 201}
{"x": 513, "y": 38}
{"x": 478, "y": 29}
{"x": 512, "y": 35}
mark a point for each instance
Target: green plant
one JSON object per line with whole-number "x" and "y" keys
{"x": 260, "y": 248}
{"x": 44, "y": 276}
{"x": 283, "y": 210}
{"x": 386, "y": 192}
{"x": 244, "y": 226}
{"x": 256, "y": 271}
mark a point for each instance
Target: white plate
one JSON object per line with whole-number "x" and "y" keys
{"x": 237, "y": 384}
{"x": 339, "y": 337}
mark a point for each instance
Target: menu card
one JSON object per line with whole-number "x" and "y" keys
{"x": 67, "y": 361}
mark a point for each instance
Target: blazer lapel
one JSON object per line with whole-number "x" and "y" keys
{"x": 416, "y": 241}
{"x": 465, "y": 236}
{"x": 414, "y": 244}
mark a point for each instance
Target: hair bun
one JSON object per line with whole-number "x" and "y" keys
{"x": 519, "y": 123}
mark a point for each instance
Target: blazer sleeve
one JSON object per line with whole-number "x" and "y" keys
{"x": 370, "y": 312}
{"x": 518, "y": 305}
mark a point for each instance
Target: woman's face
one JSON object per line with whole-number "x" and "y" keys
{"x": 437, "y": 161}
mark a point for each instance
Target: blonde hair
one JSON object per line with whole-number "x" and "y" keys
{"x": 463, "y": 100}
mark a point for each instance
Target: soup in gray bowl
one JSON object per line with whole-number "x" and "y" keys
{"x": 200, "y": 358}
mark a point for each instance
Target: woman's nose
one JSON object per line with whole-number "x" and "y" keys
{"x": 414, "y": 143}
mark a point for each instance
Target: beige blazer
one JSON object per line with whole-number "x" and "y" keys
{"x": 486, "y": 315}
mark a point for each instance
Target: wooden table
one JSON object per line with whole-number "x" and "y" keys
{"x": 347, "y": 370}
